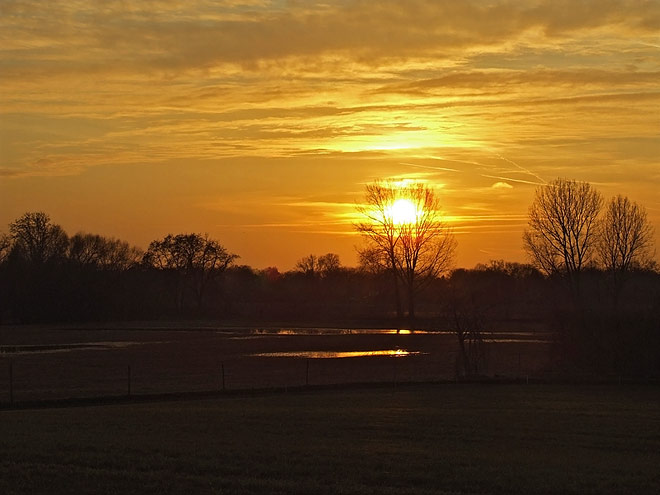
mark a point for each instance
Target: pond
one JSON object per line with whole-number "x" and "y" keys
{"x": 339, "y": 354}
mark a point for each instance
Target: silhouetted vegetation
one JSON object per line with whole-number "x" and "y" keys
{"x": 610, "y": 326}
{"x": 415, "y": 247}
{"x": 604, "y": 288}
{"x": 190, "y": 263}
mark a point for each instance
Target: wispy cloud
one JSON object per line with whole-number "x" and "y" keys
{"x": 326, "y": 96}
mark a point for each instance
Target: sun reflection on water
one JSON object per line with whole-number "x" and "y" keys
{"x": 338, "y": 354}
{"x": 336, "y": 331}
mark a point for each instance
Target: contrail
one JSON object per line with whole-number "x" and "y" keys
{"x": 540, "y": 180}
{"x": 455, "y": 160}
{"x": 444, "y": 169}
{"x": 527, "y": 171}
{"x": 521, "y": 181}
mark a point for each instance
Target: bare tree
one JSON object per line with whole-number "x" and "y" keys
{"x": 562, "y": 229}
{"x": 471, "y": 305}
{"x": 37, "y": 239}
{"x": 626, "y": 238}
{"x": 308, "y": 265}
{"x": 416, "y": 247}
{"x": 101, "y": 252}
{"x": 372, "y": 260}
{"x": 426, "y": 248}
{"x": 196, "y": 259}
{"x": 318, "y": 266}
{"x": 468, "y": 320}
{"x": 328, "y": 264}
{"x": 379, "y": 229}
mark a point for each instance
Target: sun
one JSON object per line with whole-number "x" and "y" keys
{"x": 403, "y": 211}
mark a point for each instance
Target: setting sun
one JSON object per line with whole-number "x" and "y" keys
{"x": 258, "y": 203}
{"x": 263, "y": 119}
{"x": 402, "y": 211}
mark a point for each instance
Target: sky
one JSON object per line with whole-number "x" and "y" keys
{"x": 260, "y": 122}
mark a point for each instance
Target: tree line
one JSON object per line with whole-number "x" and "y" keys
{"x": 591, "y": 278}
{"x": 591, "y": 266}
{"x": 606, "y": 306}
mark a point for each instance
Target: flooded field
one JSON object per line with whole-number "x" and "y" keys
{"x": 339, "y": 354}
{"x": 49, "y": 362}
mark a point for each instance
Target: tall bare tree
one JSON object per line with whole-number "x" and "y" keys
{"x": 626, "y": 238}
{"x": 381, "y": 233}
{"x": 415, "y": 249}
{"x": 426, "y": 247}
{"x": 37, "y": 239}
{"x": 562, "y": 231}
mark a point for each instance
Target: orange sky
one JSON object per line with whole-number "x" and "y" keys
{"x": 259, "y": 122}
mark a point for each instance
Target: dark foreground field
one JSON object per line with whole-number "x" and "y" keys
{"x": 410, "y": 439}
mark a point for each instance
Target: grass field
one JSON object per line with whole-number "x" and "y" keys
{"x": 410, "y": 439}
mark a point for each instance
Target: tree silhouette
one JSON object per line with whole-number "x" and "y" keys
{"x": 562, "y": 229}
{"x": 308, "y": 265}
{"x": 468, "y": 317}
{"x": 414, "y": 250}
{"x": 100, "y": 252}
{"x": 626, "y": 239}
{"x": 328, "y": 264}
{"x": 194, "y": 258}
{"x": 381, "y": 233}
{"x": 36, "y": 239}
{"x": 321, "y": 266}
{"x": 426, "y": 247}
{"x": 5, "y": 247}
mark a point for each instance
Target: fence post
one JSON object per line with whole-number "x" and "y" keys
{"x": 11, "y": 382}
{"x": 128, "y": 378}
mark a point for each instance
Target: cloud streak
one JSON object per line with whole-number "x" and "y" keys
{"x": 323, "y": 96}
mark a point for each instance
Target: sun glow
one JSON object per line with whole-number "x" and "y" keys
{"x": 402, "y": 211}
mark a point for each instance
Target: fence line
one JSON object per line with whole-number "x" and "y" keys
{"x": 27, "y": 382}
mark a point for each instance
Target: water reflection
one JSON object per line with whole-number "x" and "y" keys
{"x": 339, "y": 354}
{"x": 340, "y": 331}
{"x": 78, "y": 346}
{"x": 494, "y": 337}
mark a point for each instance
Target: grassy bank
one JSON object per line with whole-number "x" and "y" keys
{"x": 416, "y": 439}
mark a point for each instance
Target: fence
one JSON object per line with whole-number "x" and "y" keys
{"x": 45, "y": 377}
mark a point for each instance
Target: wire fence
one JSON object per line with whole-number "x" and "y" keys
{"x": 51, "y": 377}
